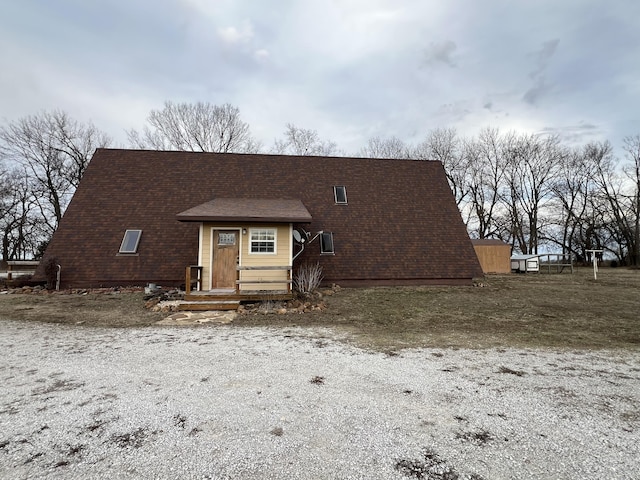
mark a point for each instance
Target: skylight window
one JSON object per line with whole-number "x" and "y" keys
{"x": 340, "y": 194}
{"x": 130, "y": 241}
{"x": 326, "y": 243}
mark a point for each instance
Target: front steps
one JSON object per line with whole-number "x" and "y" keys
{"x": 209, "y": 304}
{"x": 225, "y": 300}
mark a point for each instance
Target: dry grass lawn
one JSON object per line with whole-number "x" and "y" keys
{"x": 532, "y": 310}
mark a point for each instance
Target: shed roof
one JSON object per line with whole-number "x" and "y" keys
{"x": 489, "y": 241}
{"x": 247, "y": 210}
{"x": 523, "y": 256}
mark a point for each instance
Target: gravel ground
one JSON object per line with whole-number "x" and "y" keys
{"x": 228, "y": 402}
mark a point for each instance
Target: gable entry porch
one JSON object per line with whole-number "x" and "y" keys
{"x": 245, "y": 251}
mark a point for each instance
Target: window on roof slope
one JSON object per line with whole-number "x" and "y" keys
{"x": 326, "y": 243}
{"x": 130, "y": 241}
{"x": 340, "y": 194}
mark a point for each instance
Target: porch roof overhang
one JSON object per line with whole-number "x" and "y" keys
{"x": 269, "y": 210}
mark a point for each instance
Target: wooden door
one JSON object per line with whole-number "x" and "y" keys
{"x": 225, "y": 259}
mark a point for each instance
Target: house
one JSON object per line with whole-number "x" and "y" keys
{"x": 494, "y": 255}
{"x": 244, "y": 222}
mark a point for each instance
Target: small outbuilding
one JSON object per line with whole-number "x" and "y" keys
{"x": 494, "y": 255}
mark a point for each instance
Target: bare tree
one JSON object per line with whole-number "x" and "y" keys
{"x": 19, "y": 228}
{"x": 195, "y": 127}
{"x": 632, "y": 170}
{"x": 486, "y": 166}
{"x": 302, "y": 141}
{"x": 531, "y": 165}
{"x": 392, "y": 148}
{"x": 53, "y": 151}
{"x": 573, "y": 192}
{"x": 443, "y": 145}
{"x": 611, "y": 201}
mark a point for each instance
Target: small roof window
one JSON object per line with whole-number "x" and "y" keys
{"x": 130, "y": 241}
{"x": 340, "y": 194}
{"x": 326, "y": 243}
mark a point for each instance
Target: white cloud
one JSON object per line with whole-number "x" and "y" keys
{"x": 235, "y": 35}
{"x": 349, "y": 69}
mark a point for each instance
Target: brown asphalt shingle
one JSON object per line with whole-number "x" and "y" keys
{"x": 400, "y": 226}
{"x": 247, "y": 209}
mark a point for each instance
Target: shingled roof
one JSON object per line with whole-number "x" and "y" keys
{"x": 400, "y": 226}
{"x": 248, "y": 210}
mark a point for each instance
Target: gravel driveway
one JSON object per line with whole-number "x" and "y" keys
{"x": 230, "y": 402}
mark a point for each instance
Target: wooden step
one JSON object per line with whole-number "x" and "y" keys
{"x": 204, "y": 305}
{"x": 245, "y": 296}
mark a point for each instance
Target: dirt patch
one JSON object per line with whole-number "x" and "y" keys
{"x": 109, "y": 308}
{"x": 533, "y": 310}
{"x": 520, "y": 310}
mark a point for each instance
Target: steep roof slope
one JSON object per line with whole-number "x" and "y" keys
{"x": 401, "y": 224}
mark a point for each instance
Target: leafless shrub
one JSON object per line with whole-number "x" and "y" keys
{"x": 307, "y": 278}
{"x": 269, "y": 306}
{"x": 51, "y": 272}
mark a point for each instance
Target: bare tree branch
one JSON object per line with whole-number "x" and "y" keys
{"x": 302, "y": 141}
{"x": 195, "y": 127}
{"x": 53, "y": 151}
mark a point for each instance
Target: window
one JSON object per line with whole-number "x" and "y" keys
{"x": 326, "y": 243}
{"x": 263, "y": 240}
{"x": 130, "y": 241}
{"x": 340, "y": 195}
{"x": 225, "y": 238}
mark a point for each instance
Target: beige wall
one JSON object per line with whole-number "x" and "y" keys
{"x": 282, "y": 257}
{"x": 494, "y": 258}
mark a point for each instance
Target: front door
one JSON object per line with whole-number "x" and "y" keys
{"x": 225, "y": 259}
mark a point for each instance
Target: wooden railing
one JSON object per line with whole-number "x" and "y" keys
{"x": 20, "y": 268}
{"x": 197, "y": 278}
{"x": 255, "y": 281}
{"x": 190, "y": 278}
{"x": 557, "y": 260}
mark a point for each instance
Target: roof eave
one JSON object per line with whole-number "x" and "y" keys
{"x": 247, "y": 219}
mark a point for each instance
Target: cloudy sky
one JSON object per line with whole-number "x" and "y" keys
{"x": 350, "y": 69}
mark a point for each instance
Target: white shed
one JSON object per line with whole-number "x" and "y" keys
{"x": 525, "y": 263}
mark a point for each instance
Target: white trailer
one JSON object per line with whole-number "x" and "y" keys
{"x": 525, "y": 263}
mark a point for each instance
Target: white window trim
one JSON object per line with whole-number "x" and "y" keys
{"x": 335, "y": 194}
{"x": 200, "y": 241}
{"x": 275, "y": 241}
{"x": 124, "y": 237}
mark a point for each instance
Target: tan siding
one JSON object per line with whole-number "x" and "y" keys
{"x": 281, "y": 258}
{"x": 205, "y": 253}
{"x": 494, "y": 258}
